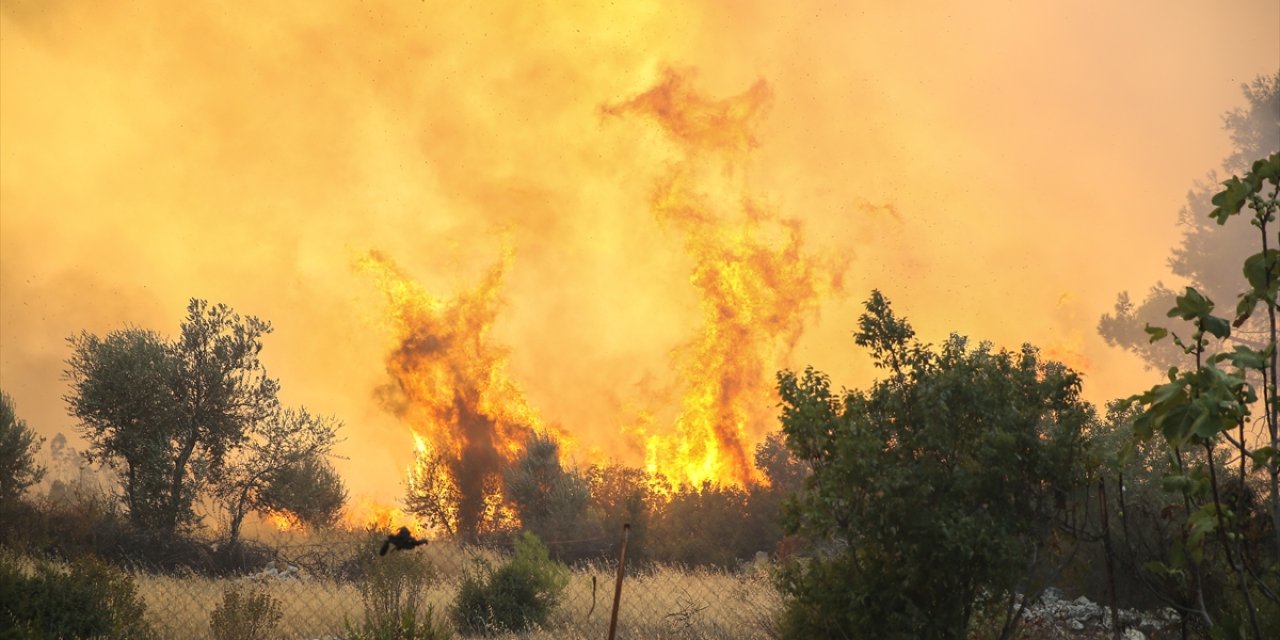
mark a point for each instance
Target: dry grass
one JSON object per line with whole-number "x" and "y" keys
{"x": 666, "y": 603}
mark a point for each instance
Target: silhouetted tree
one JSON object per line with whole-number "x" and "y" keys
{"x": 18, "y": 445}
{"x": 311, "y": 490}
{"x": 275, "y": 467}
{"x": 162, "y": 414}
{"x": 550, "y": 500}
{"x": 1207, "y": 255}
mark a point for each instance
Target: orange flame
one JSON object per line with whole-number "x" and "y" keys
{"x": 284, "y": 521}
{"x": 450, "y": 383}
{"x": 758, "y": 285}
{"x": 365, "y": 513}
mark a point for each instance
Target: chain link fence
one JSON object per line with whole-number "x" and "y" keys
{"x": 318, "y": 588}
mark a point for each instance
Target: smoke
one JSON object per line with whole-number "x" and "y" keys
{"x": 152, "y": 152}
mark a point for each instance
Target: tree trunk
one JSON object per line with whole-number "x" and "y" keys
{"x": 175, "y": 484}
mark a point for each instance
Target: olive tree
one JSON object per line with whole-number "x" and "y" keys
{"x": 280, "y": 467}
{"x": 163, "y": 414}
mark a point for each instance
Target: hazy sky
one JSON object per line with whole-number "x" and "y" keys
{"x": 997, "y": 169}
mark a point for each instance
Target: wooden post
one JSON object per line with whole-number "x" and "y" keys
{"x": 617, "y": 587}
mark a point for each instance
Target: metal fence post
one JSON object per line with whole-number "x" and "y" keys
{"x": 617, "y": 588}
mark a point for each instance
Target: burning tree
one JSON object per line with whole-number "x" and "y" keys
{"x": 450, "y": 384}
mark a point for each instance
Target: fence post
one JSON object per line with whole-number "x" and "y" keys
{"x": 617, "y": 588}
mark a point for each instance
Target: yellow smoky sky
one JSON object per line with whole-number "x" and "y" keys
{"x": 997, "y": 169}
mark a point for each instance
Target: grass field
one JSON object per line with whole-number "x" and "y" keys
{"x": 665, "y": 602}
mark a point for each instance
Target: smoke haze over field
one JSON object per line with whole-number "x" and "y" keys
{"x": 997, "y": 170}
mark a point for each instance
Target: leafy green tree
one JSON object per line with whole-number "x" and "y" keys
{"x": 621, "y": 495}
{"x": 163, "y": 414}
{"x": 551, "y": 501}
{"x": 311, "y": 490}
{"x": 1205, "y": 259}
{"x": 518, "y": 595}
{"x": 709, "y": 525}
{"x": 1206, "y": 408}
{"x": 275, "y": 467}
{"x": 785, "y": 473}
{"x": 18, "y": 445}
{"x": 937, "y": 489}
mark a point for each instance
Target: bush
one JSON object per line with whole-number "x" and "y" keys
{"x": 519, "y": 595}
{"x": 553, "y": 502}
{"x": 394, "y": 595}
{"x": 715, "y": 525}
{"x": 937, "y": 489}
{"x": 245, "y": 615}
{"x": 88, "y": 599}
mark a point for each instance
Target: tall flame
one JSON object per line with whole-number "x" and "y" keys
{"x": 758, "y": 285}
{"x": 450, "y": 383}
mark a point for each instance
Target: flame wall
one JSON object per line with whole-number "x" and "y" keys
{"x": 997, "y": 170}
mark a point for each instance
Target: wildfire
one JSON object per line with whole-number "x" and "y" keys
{"x": 469, "y": 419}
{"x": 758, "y": 285}
{"x": 284, "y": 521}
{"x": 368, "y": 514}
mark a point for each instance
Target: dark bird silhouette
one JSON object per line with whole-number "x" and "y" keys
{"x": 401, "y": 540}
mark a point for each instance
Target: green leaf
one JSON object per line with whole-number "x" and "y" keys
{"x": 1229, "y": 201}
{"x": 1262, "y": 270}
{"x": 1219, "y": 327}
{"x": 1144, "y": 425}
{"x": 1205, "y": 426}
{"x": 1267, "y": 169}
{"x": 1156, "y": 333}
{"x": 1248, "y": 300}
{"x": 1244, "y": 358}
{"x": 1191, "y": 305}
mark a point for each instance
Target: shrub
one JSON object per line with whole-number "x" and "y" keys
{"x": 18, "y": 446}
{"x": 247, "y": 614}
{"x": 516, "y": 596}
{"x": 937, "y": 488}
{"x": 88, "y": 599}
{"x": 394, "y": 596}
{"x": 553, "y": 502}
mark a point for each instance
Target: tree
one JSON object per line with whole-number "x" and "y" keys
{"x": 621, "y": 495}
{"x": 785, "y": 473}
{"x": 274, "y": 468}
{"x": 311, "y": 490}
{"x": 164, "y": 414}
{"x": 18, "y": 446}
{"x": 431, "y": 492}
{"x": 936, "y": 489}
{"x": 1206, "y": 256}
{"x": 1206, "y": 407}
{"x": 550, "y": 500}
